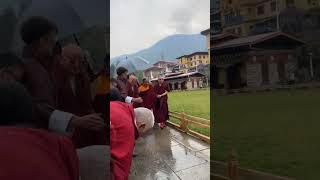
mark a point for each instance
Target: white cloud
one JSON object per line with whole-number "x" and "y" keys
{"x": 138, "y": 24}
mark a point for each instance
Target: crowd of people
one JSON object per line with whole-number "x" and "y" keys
{"x": 147, "y": 95}
{"x": 48, "y": 109}
{"x": 143, "y": 101}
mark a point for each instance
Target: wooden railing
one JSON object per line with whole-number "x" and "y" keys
{"x": 185, "y": 120}
{"x": 232, "y": 171}
{"x": 310, "y": 85}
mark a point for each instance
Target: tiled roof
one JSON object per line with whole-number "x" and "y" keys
{"x": 153, "y": 68}
{"x": 165, "y": 62}
{"x": 223, "y": 35}
{"x": 251, "y": 40}
{"x": 183, "y": 75}
{"x": 195, "y": 53}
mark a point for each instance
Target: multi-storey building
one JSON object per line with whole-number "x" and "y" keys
{"x": 215, "y": 17}
{"x": 193, "y": 60}
{"x": 247, "y": 17}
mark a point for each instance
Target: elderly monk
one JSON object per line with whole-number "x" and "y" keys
{"x": 161, "y": 107}
{"x": 72, "y": 82}
{"x": 146, "y": 92}
{"x": 122, "y": 85}
{"x": 39, "y": 36}
{"x": 74, "y": 93}
{"x": 26, "y": 152}
{"x": 126, "y": 124}
{"x": 133, "y": 89}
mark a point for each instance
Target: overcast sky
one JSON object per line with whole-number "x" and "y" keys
{"x": 138, "y": 24}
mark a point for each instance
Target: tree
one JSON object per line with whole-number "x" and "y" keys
{"x": 311, "y": 29}
{"x": 139, "y": 75}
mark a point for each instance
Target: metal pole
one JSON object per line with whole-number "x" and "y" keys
{"x": 311, "y": 66}
{"x": 278, "y": 23}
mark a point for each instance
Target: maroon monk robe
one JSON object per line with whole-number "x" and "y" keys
{"x": 149, "y": 98}
{"x": 101, "y": 100}
{"x": 38, "y": 80}
{"x": 78, "y": 102}
{"x": 133, "y": 91}
{"x": 161, "y": 112}
{"x": 37, "y": 155}
{"x": 123, "y": 133}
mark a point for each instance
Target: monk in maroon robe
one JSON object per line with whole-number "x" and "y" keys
{"x": 133, "y": 89}
{"x": 74, "y": 93}
{"x": 27, "y": 152}
{"x": 146, "y": 92}
{"x": 161, "y": 108}
{"x": 126, "y": 124}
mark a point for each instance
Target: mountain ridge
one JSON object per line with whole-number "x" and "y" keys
{"x": 168, "y": 48}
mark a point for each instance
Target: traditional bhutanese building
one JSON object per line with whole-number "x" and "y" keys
{"x": 247, "y": 17}
{"x": 160, "y": 68}
{"x": 185, "y": 81}
{"x": 177, "y": 79}
{"x": 253, "y": 61}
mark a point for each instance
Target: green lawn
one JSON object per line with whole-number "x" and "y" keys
{"x": 276, "y": 132}
{"x": 195, "y": 103}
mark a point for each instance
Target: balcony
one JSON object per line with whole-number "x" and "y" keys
{"x": 233, "y": 20}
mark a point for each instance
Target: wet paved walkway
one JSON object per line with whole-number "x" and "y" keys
{"x": 170, "y": 155}
{"x": 94, "y": 164}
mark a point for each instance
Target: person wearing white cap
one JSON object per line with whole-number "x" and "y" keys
{"x": 126, "y": 125}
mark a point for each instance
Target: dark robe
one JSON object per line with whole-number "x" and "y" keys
{"x": 122, "y": 85}
{"x": 149, "y": 98}
{"x": 78, "y": 102}
{"x": 101, "y": 102}
{"x": 161, "y": 107}
{"x": 37, "y": 155}
{"x": 123, "y": 133}
{"x": 133, "y": 91}
{"x": 38, "y": 80}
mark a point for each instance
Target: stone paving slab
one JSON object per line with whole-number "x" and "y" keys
{"x": 162, "y": 155}
{"x": 94, "y": 163}
{"x": 188, "y": 141}
{"x": 200, "y": 172}
{"x": 205, "y": 154}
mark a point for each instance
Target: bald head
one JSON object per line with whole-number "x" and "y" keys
{"x": 132, "y": 79}
{"x": 144, "y": 119}
{"x": 73, "y": 58}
